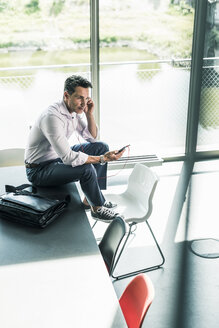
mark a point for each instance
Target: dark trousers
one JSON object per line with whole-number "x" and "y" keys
{"x": 92, "y": 178}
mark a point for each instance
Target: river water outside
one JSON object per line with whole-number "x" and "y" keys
{"x": 139, "y": 106}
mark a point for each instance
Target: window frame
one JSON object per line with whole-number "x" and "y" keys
{"x": 191, "y": 152}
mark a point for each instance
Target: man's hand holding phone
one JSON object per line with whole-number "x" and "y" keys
{"x": 121, "y": 149}
{"x": 115, "y": 154}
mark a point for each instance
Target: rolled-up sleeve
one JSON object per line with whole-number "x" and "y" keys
{"x": 82, "y": 128}
{"x": 53, "y": 129}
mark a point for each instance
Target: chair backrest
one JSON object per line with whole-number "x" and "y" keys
{"x": 141, "y": 187}
{"x": 136, "y": 300}
{"x": 111, "y": 241}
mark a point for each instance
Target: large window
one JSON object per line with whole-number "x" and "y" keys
{"x": 145, "y": 59}
{"x": 41, "y": 42}
{"x": 145, "y": 51}
{"x": 208, "y": 131}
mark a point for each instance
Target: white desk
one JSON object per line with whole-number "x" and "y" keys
{"x": 55, "y": 277}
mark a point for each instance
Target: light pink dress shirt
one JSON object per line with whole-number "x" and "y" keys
{"x": 48, "y": 138}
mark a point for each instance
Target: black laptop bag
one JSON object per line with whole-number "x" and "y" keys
{"x": 28, "y": 207}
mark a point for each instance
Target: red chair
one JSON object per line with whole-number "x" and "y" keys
{"x": 136, "y": 300}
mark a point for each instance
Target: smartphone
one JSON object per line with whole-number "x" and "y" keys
{"x": 119, "y": 151}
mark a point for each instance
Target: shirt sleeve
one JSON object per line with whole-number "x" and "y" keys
{"x": 82, "y": 128}
{"x": 53, "y": 129}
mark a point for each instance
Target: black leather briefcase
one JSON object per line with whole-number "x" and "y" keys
{"x": 29, "y": 208}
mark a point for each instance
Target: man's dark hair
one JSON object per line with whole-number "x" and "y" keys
{"x": 76, "y": 81}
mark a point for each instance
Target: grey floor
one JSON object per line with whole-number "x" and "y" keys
{"x": 187, "y": 287}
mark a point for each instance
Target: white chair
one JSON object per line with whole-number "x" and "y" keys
{"x": 135, "y": 204}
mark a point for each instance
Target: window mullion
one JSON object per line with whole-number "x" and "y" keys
{"x": 94, "y": 19}
{"x": 196, "y": 78}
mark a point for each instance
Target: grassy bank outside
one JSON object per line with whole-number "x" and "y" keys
{"x": 67, "y": 26}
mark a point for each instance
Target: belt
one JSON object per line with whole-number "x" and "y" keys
{"x": 31, "y": 165}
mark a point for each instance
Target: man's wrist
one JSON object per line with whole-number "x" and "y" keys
{"x": 102, "y": 160}
{"x": 89, "y": 115}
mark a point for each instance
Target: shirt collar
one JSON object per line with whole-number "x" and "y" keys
{"x": 64, "y": 110}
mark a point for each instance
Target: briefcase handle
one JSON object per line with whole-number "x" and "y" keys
{"x": 9, "y": 188}
{"x": 18, "y": 190}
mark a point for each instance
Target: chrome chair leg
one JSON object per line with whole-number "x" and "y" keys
{"x": 94, "y": 224}
{"x": 133, "y": 273}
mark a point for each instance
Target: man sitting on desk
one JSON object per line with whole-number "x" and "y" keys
{"x": 49, "y": 159}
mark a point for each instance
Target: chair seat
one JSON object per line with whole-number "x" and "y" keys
{"x": 128, "y": 206}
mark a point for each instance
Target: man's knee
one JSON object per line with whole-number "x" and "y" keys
{"x": 89, "y": 172}
{"x": 101, "y": 147}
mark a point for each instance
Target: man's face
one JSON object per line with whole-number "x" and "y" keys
{"x": 77, "y": 102}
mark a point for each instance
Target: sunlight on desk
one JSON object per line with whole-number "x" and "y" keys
{"x": 72, "y": 292}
